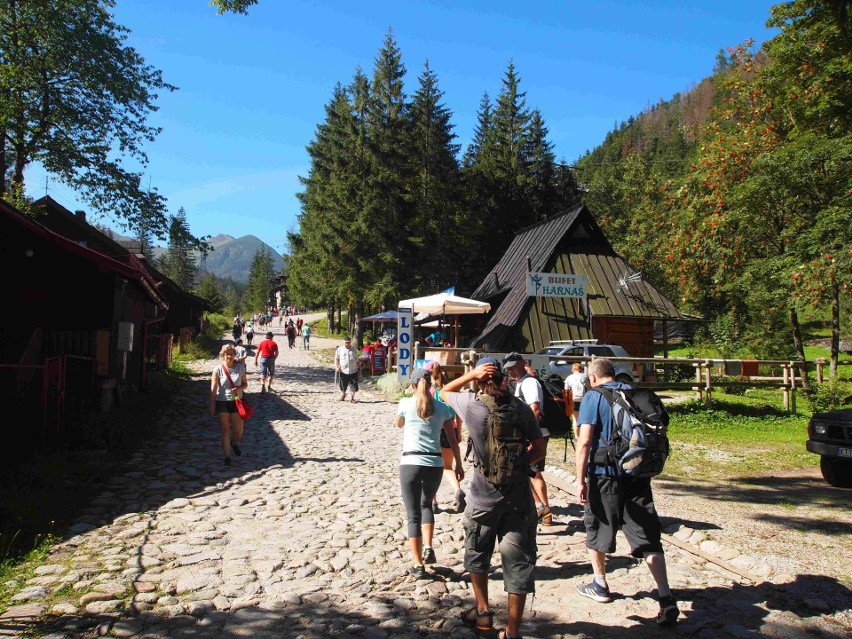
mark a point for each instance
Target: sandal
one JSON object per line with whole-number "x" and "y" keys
{"x": 505, "y": 635}
{"x": 482, "y": 621}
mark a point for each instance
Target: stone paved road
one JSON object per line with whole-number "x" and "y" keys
{"x": 304, "y": 537}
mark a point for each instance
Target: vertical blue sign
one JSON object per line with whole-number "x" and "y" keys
{"x": 404, "y": 336}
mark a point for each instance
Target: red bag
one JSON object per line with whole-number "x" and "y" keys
{"x": 243, "y": 407}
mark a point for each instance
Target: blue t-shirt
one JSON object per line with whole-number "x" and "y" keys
{"x": 422, "y": 435}
{"x": 595, "y": 410}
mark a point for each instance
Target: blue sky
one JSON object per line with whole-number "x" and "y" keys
{"x": 252, "y": 89}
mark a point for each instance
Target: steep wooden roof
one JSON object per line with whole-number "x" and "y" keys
{"x": 570, "y": 242}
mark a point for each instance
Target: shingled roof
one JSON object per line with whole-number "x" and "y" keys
{"x": 570, "y": 242}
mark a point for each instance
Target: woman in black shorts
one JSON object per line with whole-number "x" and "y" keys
{"x": 222, "y": 396}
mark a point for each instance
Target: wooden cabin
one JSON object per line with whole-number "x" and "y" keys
{"x": 76, "y": 322}
{"x": 620, "y": 308}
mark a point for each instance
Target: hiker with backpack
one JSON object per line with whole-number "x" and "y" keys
{"x": 622, "y": 444}
{"x": 505, "y": 439}
{"x": 528, "y": 389}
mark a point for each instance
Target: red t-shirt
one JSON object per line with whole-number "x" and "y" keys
{"x": 267, "y": 349}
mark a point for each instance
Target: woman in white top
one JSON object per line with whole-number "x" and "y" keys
{"x": 421, "y": 465}
{"x": 576, "y": 383}
{"x": 222, "y": 396}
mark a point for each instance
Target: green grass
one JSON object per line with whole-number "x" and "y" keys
{"x": 15, "y": 571}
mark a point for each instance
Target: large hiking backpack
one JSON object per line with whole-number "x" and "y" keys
{"x": 553, "y": 416}
{"x": 504, "y": 460}
{"x": 639, "y": 444}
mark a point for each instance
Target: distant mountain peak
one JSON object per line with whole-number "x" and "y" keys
{"x": 220, "y": 239}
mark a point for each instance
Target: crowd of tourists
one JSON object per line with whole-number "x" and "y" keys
{"x": 507, "y": 497}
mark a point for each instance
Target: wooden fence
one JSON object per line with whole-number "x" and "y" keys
{"x": 706, "y": 374}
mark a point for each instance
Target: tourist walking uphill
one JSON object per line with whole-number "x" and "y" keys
{"x": 227, "y": 381}
{"x": 421, "y": 465}
{"x": 500, "y": 505}
{"x": 267, "y": 352}
{"x": 530, "y": 391}
{"x": 611, "y": 500}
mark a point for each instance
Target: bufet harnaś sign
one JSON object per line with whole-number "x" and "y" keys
{"x": 403, "y": 347}
{"x": 557, "y": 285}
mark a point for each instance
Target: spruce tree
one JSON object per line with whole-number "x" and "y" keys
{"x": 179, "y": 262}
{"x": 435, "y": 190}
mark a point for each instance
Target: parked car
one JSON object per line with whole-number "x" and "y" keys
{"x": 625, "y": 372}
{"x": 830, "y": 437}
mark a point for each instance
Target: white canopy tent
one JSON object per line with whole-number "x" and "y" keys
{"x": 445, "y": 304}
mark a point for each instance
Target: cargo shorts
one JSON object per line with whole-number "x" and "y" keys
{"x": 515, "y": 532}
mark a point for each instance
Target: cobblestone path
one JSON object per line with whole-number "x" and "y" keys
{"x": 304, "y": 537}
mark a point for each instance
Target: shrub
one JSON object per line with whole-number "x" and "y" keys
{"x": 830, "y": 395}
{"x": 390, "y": 386}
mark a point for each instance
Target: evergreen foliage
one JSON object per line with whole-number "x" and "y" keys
{"x": 258, "y": 294}
{"x": 179, "y": 262}
{"x": 71, "y": 94}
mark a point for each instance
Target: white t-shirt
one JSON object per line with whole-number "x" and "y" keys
{"x": 348, "y": 359}
{"x": 530, "y": 392}
{"x": 576, "y": 383}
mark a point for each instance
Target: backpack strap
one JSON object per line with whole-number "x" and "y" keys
{"x": 605, "y": 455}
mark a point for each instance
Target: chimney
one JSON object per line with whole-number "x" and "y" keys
{"x": 81, "y": 214}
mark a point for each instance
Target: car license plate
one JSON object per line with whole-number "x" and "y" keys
{"x": 844, "y": 452}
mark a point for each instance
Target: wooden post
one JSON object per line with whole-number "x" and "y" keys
{"x": 793, "y": 387}
{"x": 786, "y": 387}
{"x": 708, "y": 399}
{"x": 416, "y": 350}
{"x": 698, "y": 392}
{"x": 820, "y": 362}
{"x": 665, "y": 338}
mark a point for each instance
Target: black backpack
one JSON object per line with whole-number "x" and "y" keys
{"x": 553, "y": 416}
{"x": 639, "y": 443}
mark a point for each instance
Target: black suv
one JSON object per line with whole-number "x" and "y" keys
{"x": 830, "y": 437}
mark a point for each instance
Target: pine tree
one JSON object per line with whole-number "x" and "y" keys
{"x": 480, "y": 132}
{"x": 179, "y": 261}
{"x": 259, "y": 287}
{"x": 208, "y": 288}
{"x": 436, "y": 189}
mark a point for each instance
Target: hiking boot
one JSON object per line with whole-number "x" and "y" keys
{"x": 227, "y": 462}
{"x": 428, "y": 555}
{"x": 545, "y": 517}
{"x": 236, "y": 450}
{"x": 668, "y": 611}
{"x": 418, "y": 571}
{"x": 594, "y": 591}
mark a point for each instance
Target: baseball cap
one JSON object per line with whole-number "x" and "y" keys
{"x": 510, "y": 360}
{"x": 488, "y": 360}
{"x": 418, "y": 374}
{"x": 239, "y": 340}
{"x": 429, "y": 365}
